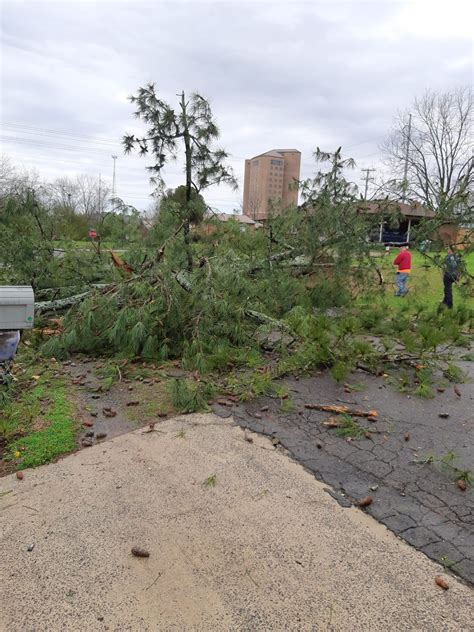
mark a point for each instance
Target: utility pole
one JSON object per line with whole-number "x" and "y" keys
{"x": 367, "y": 172}
{"x": 407, "y": 154}
{"x": 114, "y": 158}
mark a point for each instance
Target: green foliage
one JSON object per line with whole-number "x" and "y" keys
{"x": 349, "y": 427}
{"x": 36, "y": 418}
{"x": 189, "y": 396}
{"x": 211, "y": 481}
{"x": 251, "y": 384}
{"x": 304, "y": 272}
{"x": 448, "y": 463}
{"x": 424, "y": 390}
{"x": 287, "y": 405}
{"x": 454, "y": 374}
{"x": 57, "y": 438}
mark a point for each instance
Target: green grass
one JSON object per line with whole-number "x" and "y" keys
{"x": 211, "y": 481}
{"x": 37, "y": 423}
{"x": 349, "y": 427}
{"x": 190, "y": 397}
{"x": 425, "y": 283}
{"x": 58, "y": 435}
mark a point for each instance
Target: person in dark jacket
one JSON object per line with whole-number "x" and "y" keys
{"x": 451, "y": 274}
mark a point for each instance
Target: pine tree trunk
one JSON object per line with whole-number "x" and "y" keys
{"x": 188, "y": 153}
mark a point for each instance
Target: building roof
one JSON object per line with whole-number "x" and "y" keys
{"x": 276, "y": 153}
{"x": 243, "y": 219}
{"x": 414, "y": 209}
{"x": 284, "y": 151}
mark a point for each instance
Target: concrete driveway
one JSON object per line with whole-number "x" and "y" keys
{"x": 240, "y": 538}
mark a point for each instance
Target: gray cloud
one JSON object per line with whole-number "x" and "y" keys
{"x": 278, "y": 74}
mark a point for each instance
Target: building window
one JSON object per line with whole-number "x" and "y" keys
{"x": 276, "y": 162}
{"x": 255, "y": 163}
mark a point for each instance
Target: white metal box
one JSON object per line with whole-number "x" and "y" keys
{"x": 17, "y": 307}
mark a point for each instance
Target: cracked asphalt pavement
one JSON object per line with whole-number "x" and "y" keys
{"x": 419, "y": 502}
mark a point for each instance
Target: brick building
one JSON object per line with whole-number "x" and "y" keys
{"x": 267, "y": 180}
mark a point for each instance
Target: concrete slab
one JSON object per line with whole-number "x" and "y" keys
{"x": 264, "y": 548}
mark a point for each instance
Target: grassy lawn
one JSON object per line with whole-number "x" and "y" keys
{"x": 425, "y": 283}
{"x": 37, "y": 423}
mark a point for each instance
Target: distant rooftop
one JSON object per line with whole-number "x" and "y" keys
{"x": 276, "y": 153}
{"x": 414, "y": 209}
{"x": 243, "y": 219}
{"x": 226, "y": 217}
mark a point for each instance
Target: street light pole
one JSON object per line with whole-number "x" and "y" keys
{"x": 114, "y": 158}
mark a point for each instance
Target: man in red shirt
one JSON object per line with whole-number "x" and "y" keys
{"x": 403, "y": 263}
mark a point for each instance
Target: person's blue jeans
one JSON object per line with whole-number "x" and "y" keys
{"x": 401, "y": 279}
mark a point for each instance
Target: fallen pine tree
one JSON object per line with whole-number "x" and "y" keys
{"x": 208, "y": 298}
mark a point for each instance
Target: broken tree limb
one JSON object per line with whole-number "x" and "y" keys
{"x": 292, "y": 260}
{"x": 341, "y": 410}
{"x": 51, "y": 293}
{"x": 280, "y": 256}
{"x": 183, "y": 281}
{"x": 258, "y": 317}
{"x": 62, "y": 304}
{"x": 161, "y": 251}
{"x": 120, "y": 263}
{"x": 263, "y": 319}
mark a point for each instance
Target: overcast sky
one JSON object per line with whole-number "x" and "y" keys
{"x": 278, "y": 74}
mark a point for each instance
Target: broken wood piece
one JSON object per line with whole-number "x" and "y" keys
{"x": 342, "y": 410}
{"x": 332, "y": 422}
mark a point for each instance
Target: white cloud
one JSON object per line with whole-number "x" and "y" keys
{"x": 277, "y": 73}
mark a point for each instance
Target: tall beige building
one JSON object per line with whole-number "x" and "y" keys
{"x": 267, "y": 181}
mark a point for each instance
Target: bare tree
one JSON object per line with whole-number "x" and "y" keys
{"x": 254, "y": 204}
{"x": 93, "y": 195}
{"x": 63, "y": 193}
{"x": 431, "y": 155}
{"x": 84, "y": 194}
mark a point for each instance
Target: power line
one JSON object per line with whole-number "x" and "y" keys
{"x": 38, "y": 143}
{"x": 169, "y": 168}
{"x": 364, "y": 142}
{"x": 32, "y": 129}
